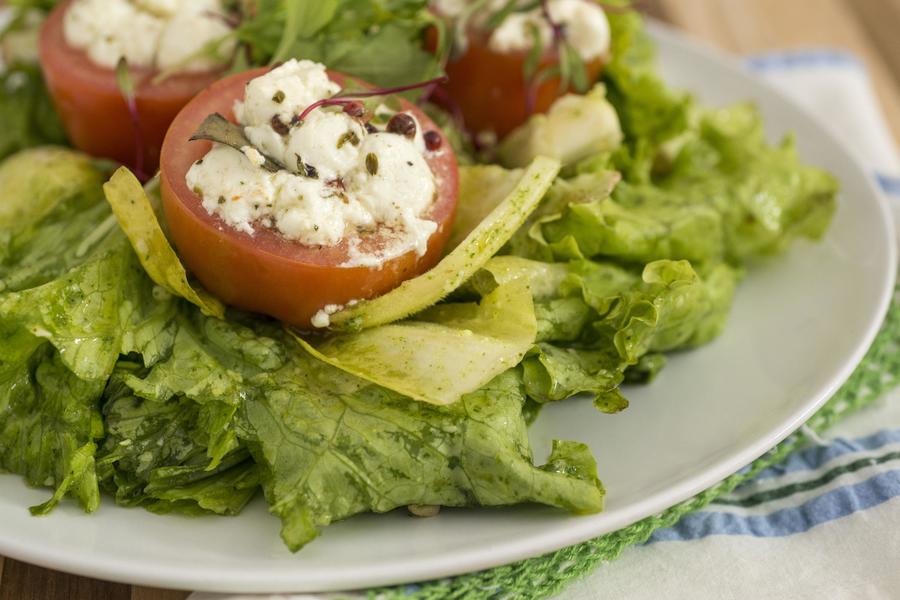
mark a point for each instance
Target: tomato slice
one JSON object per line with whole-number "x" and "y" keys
{"x": 92, "y": 108}
{"x": 264, "y": 272}
{"x": 490, "y": 90}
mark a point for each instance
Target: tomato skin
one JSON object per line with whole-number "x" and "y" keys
{"x": 490, "y": 88}
{"x": 264, "y": 272}
{"x": 92, "y": 108}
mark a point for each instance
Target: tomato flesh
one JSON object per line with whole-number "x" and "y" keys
{"x": 264, "y": 272}
{"x": 490, "y": 90}
{"x": 93, "y": 109}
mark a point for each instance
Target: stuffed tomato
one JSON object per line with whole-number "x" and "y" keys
{"x": 321, "y": 202}
{"x": 510, "y": 61}
{"x": 172, "y": 49}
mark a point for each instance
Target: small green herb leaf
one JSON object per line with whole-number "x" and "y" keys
{"x": 348, "y": 137}
{"x": 372, "y": 163}
{"x": 217, "y": 128}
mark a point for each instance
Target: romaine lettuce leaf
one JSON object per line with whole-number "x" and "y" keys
{"x": 51, "y": 215}
{"x": 551, "y": 374}
{"x": 26, "y": 111}
{"x": 98, "y": 310}
{"x": 210, "y": 363}
{"x": 329, "y": 445}
{"x": 727, "y": 195}
{"x": 596, "y": 321}
{"x": 332, "y": 446}
{"x": 650, "y": 113}
{"x": 765, "y": 195}
{"x": 156, "y": 454}
{"x": 74, "y": 299}
{"x": 669, "y": 308}
{"x": 421, "y": 358}
{"x": 642, "y": 232}
{"x": 49, "y": 422}
{"x": 566, "y": 194}
{"x": 34, "y": 182}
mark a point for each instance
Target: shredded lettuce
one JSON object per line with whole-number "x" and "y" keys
{"x": 49, "y": 421}
{"x": 26, "y": 111}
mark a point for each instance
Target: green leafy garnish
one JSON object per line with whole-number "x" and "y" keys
{"x": 216, "y": 128}
{"x": 378, "y": 42}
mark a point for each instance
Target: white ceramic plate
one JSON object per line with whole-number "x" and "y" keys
{"x": 799, "y": 326}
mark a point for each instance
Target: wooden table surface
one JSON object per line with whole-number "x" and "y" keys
{"x": 868, "y": 28}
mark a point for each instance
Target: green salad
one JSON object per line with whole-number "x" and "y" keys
{"x": 579, "y": 257}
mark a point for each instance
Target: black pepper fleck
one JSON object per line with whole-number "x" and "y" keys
{"x": 305, "y": 169}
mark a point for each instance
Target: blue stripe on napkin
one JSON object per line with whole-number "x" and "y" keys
{"x": 815, "y": 457}
{"x": 804, "y": 59}
{"x": 829, "y": 506}
{"x": 889, "y": 184}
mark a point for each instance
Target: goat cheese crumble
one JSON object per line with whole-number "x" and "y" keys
{"x": 586, "y": 26}
{"x": 152, "y": 34}
{"x": 341, "y": 180}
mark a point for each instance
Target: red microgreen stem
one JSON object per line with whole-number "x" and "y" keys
{"x": 559, "y": 30}
{"x": 343, "y": 99}
{"x": 531, "y": 92}
{"x": 126, "y": 86}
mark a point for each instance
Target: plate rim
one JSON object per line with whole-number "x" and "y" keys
{"x": 121, "y": 569}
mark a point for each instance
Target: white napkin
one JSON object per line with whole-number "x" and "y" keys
{"x": 836, "y": 540}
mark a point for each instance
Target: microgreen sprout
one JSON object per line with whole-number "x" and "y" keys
{"x": 350, "y": 99}
{"x": 126, "y": 87}
{"x": 559, "y": 30}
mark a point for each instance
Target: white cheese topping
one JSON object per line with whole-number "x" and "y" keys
{"x": 586, "y": 26}
{"x": 449, "y": 8}
{"x": 341, "y": 182}
{"x": 322, "y": 319}
{"x": 157, "y": 34}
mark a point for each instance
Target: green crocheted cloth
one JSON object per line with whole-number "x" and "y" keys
{"x": 547, "y": 575}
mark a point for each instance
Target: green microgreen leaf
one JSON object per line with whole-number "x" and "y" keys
{"x": 216, "y": 128}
